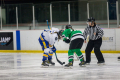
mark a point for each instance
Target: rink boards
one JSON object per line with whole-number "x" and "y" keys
{"x": 27, "y": 41}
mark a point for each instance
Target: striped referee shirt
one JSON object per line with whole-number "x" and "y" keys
{"x": 91, "y": 30}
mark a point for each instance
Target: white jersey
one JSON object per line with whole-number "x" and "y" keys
{"x": 50, "y": 36}
{"x": 54, "y": 30}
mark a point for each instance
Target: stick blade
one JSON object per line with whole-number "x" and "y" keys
{"x": 60, "y": 62}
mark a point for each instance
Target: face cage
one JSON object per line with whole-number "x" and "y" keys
{"x": 89, "y": 22}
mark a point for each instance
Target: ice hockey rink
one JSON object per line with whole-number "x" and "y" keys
{"x": 27, "y": 66}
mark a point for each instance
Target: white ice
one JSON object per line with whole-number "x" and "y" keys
{"x": 24, "y": 66}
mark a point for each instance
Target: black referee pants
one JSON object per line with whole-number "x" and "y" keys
{"x": 96, "y": 44}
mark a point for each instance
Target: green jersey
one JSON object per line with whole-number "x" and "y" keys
{"x": 70, "y": 34}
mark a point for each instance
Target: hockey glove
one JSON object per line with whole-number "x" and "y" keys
{"x": 67, "y": 41}
{"x": 53, "y": 49}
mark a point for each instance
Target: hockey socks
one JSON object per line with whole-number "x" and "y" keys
{"x": 71, "y": 54}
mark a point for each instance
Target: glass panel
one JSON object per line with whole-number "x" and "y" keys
{"x": 78, "y": 14}
{"x": 119, "y": 11}
{"x": 74, "y": 11}
{"x": 42, "y": 13}
{"x": 56, "y": 12}
{"x": 9, "y": 17}
{"x": 112, "y": 13}
{"x": 82, "y": 10}
{"x": 60, "y": 14}
{"x": 25, "y": 16}
{"x": 112, "y": 10}
{"x": 98, "y": 10}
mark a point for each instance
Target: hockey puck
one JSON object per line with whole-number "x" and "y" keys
{"x": 118, "y": 57}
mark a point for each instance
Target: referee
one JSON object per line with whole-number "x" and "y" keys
{"x": 95, "y": 41}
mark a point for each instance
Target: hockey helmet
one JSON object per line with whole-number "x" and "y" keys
{"x": 91, "y": 19}
{"x": 60, "y": 34}
{"x": 68, "y": 26}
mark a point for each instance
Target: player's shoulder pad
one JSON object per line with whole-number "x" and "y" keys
{"x": 46, "y": 30}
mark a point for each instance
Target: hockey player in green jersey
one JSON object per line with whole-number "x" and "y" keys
{"x": 76, "y": 39}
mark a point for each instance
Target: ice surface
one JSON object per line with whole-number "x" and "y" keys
{"x": 24, "y": 66}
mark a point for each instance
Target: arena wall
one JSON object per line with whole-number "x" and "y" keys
{"x": 29, "y": 41}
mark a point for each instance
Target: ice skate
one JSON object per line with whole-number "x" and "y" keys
{"x": 50, "y": 62}
{"x": 82, "y": 64}
{"x": 69, "y": 65}
{"x": 44, "y": 64}
{"x": 101, "y": 63}
{"x": 87, "y": 63}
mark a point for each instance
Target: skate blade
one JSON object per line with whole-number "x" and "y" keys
{"x": 68, "y": 67}
{"x": 51, "y": 65}
{"x": 87, "y": 64}
{"x": 101, "y": 64}
{"x": 82, "y": 66}
{"x": 44, "y": 66}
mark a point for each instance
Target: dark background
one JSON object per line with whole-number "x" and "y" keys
{"x": 10, "y": 45}
{"x": 60, "y": 10}
{"x": 30, "y": 1}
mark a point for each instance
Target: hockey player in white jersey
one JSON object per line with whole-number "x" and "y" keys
{"x": 47, "y": 40}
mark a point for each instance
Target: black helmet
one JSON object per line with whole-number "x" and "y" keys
{"x": 91, "y": 19}
{"x": 68, "y": 26}
{"x": 60, "y": 33}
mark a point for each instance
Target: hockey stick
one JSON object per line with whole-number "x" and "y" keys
{"x": 59, "y": 60}
{"x": 55, "y": 52}
{"x": 76, "y": 57}
{"x": 48, "y": 24}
